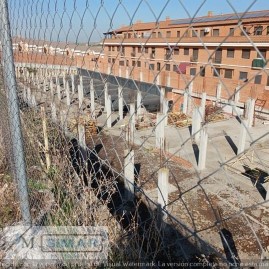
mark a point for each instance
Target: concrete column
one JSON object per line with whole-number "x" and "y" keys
{"x": 45, "y": 84}
{"x": 24, "y": 94}
{"x": 108, "y": 69}
{"x": 73, "y": 84}
{"x": 129, "y": 174}
{"x": 80, "y": 96}
{"x": 67, "y": 93}
{"x": 131, "y": 125}
{"x": 29, "y": 96}
{"x": 141, "y": 76}
{"x": 218, "y": 94}
{"x": 64, "y": 80}
{"x": 127, "y": 72}
{"x": 92, "y": 98}
{"x": 63, "y": 120}
{"x": 82, "y": 139}
{"x": 242, "y": 137}
{"x": 237, "y": 95}
{"x": 168, "y": 83}
{"x": 165, "y": 111}
{"x": 196, "y": 123}
{"x": 158, "y": 80}
{"x": 162, "y": 99}
{"x": 163, "y": 183}
{"x": 81, "y": 82}
{"x": 51, "y": 89}
{"x": 203, "y": 105}
{"x": 120, "y": 97}
{"x": 53, "y": 112}
{"x": 185, "y": 103}
{"x": 108, "y": 112}
{"x": 159, "y": 131}
{"x": 190, "y": 90}
{"x": 119, "y": 71}
{"x": 139, "y": 102}
{"x": 251, "y": 111}
{"x": 106, "y": 96}
{"x": 203, "y": 150}
{"x": 33, "y": 101}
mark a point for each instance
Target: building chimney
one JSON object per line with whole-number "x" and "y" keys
{"x": 209, "y": 13}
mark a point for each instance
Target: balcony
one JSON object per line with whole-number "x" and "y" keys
{"x": 194, "y": 59}
{"x": 152, "y": 56}
{"x": 167, "y": 56}
{"x": 217, "y": 60}
{"x": 258, "y": 63}
{"x": 133, "y": 54}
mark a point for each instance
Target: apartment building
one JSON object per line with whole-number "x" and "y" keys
{"x": 230, "y": 49}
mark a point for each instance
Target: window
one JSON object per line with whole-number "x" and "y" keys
{"x": 133, "y": 63}
{"x": 178, "y": 33}
{"x": 118, "y": 48}
{"x": 245, "y": 53}
{"x": 262, "y": 52}
{"x": 133, "y": 49}
{"x": 230, "y": 53}
{"x": 168, "y": 34}
{"x": 113, "y": 48}
{"x": 228, "y": 73}
{"x": 175, "y": 68}
{"x": 244, "y": 31}
{"x": 113, "y": 61}
{"x": 186, "y": 51}
{"x": 158, "y": 66}
{"x": 146, "y": 50}
{"x": 216, "y": 72}
{"x": 202, "y": 32}
{"x": 139, "y": 49}
{"x": 121, "y": 63}
{"x": 159, "y": 34}
{"x": 258, "y": 30}
{"x": 109, "y": 48}
{"x": 194, "y": 33}
{"x": 231, "y": 31}
{"x": 258, "y": 79}
{"x": 202, "y": 71}
{"x": 138, "y": 63}
{"x": 176, "y": 51}
{"x": 192, "y": 71}
{"x": 127, "y": 62}
{"x": 153, "y": 35}
{"x": 243, "y": 76}
{"x": 167, "y": 67}
{"x": 267, "y": 31}
{"x": 109, "y": 60}
{"x": 129, "y": 35}
{"x": 151, "y": 66}
{"x": 215, "y": 32}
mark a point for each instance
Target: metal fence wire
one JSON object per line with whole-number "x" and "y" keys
{"x": 157, "y": 129}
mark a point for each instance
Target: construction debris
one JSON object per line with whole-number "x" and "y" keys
{"x": 90, "y": 125}
{"x": 178, "y": 119}
{"x": 213, "y": 113}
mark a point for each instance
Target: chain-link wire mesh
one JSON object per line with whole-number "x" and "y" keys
{"x": 156, "y": 129}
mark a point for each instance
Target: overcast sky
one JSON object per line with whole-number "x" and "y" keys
{"x": 86, "y": 20}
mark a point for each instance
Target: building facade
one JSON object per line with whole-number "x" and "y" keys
{"x": 230, "y": 50}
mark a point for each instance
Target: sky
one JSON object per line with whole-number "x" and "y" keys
{"x": 85, "y": 21}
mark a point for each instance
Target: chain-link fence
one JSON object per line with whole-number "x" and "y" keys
{"x": 156, "y": 129}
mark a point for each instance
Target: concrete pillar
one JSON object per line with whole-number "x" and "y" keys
{"x": 81, "y": 136}
{"x": 80, "y": 96}
{"x": 185, "y": 103}
{"x": 218, "y": 94}
{"x": 53, "y": 112}
{"x": 237, "y": 95}
{"x": 24, "y": 94}
{"x": 51, "y": 89}
{"x": 106, "y": 96}
{"x": 141, "y": 76}
{"x": 108, "y": 112}
{"x": 242, "y": 136}
{"x": 120, "y": 98}
{"x": 159, "y": 131}
{"x": 33, "y": 101}
{"x": 165, "y": 111}
{"x": 139, "y": 102}
{"x": 127, "y": 72}
{"x": 29, "y": 96}
{"x": 158, "y": 80}
{"x": 108, "y": 69}
{"x": 168, "y": 83}
{"x": 190, "y": 90}
{"x": 129, "y": 174}
{"x": 203, "y": 105}
{"x": 81, "y": 82}
{"x": 203, "y": 149}
{"x": 119, "y": 71}
{"x": 163, "y": 183}
{"x": 67, "y": 93}
{"x": 63, "y": 119}
{"x": 162, "y": 99}
{"x": 131, "y": 125}
{"x": 64, "y": 80}
{"x": 73, "y": 84}
{"x": 251, "y": 111}
{"x": 196, "y": 123}
{"x": 45, "y": 84}
{"x": 92, "y": 98}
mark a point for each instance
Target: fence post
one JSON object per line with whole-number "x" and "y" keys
{"x": 14, "y": 113}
